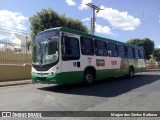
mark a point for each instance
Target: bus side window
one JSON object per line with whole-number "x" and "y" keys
{"x": 130, "y": 52}
{"x": 87, "y": 46}
{"x": 112, "y": 50}
{"x": 70, "y": 48}
{"x": 141, "y": 54}
{"x": 121, "y": 51}
{"x": 133, "y": 50}
{"x": 100, "y": 48}
{"x": 136, "y": 53}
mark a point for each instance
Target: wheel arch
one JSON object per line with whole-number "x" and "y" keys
{"x": 91, "y": 68}
{"x": 131, "y": 66}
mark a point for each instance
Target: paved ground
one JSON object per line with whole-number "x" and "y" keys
{"x": 141, "y": 93}
{"x": 15, "y": 82}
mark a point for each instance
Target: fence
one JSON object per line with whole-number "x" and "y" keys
{"x": 14, "y": 54}
{"x": 15, "y": 61}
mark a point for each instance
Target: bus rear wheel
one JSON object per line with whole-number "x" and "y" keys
{"x": 88, "y": 78}
{"x": 131, "y": 72}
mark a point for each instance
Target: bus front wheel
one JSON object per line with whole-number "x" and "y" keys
{"x": 88, "y": 77}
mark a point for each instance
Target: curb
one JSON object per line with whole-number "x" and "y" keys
{"x": 150, "y": 70}
{"x": 12, "y": 83}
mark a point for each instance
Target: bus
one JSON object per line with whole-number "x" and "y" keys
{"x": 66, "y": 56}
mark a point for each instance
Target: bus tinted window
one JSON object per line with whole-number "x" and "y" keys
{"x": 121, "y": 51}
{"x": 136, "y": 53}
{"x": 112, "y": 50}
{"x": 70, "y": 48}
{"x": 141, "y": 54}
{"x": 130, "y": 52}
{"x": 100, "y": 48}
{"x": 87, "y": 46}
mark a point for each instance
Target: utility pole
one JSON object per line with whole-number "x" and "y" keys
{"x": 94, "y": 9}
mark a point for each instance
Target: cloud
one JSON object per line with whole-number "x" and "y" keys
{"x": 102, "y": 29}
{"x": 70, "y": 2}
{"x": 83, "y": 4}
{"x": 6, "y": 37}
{"x": 85, "y": 19}
{"x": 13, "y": 20}
{"x": 119, "y": 20}
{"x": 158, "y": 46}
{"x": 99, "y": 28}
{"x": 10, "y": 23}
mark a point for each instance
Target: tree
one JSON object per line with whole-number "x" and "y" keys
{"x": 156, "y": 54}
{"x": 146, "y": 43}
{"x": 47, "y": 18}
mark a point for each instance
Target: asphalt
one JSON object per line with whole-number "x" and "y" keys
{"x": 29, "y": 81}
{"x": 141, "y": 93}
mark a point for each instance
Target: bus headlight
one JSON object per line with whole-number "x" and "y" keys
{"x": 52, "y": 72}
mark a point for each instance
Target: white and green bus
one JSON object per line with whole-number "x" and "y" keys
{"x": 65, "y": 56}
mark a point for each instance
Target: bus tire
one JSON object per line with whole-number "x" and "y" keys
{"x": 131, "y": 72}
{"x": 88, "y": 77}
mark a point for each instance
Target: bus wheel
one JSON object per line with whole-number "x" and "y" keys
{"x": 89, "y": 78}
{"x": 131, "y": 72}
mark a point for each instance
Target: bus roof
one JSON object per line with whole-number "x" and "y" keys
{"x": 64, "y": 29}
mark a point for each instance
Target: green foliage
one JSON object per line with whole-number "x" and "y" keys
{"x": 147, "y": 44}
{"x": 156, "y": 54}
{"x": 47, "y": 18}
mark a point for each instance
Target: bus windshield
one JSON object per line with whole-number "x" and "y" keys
{"x": 45, "y": 51}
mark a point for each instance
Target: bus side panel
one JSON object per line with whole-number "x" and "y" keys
{"x": 103, "y": 74}
{"x": 71, "y": 77}
{"x": 114, "y": 66}
{"x": 141, "y": 65}
{"x": 71, "y": 70}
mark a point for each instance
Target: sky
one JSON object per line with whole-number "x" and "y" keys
{"x": 119, "y": 19}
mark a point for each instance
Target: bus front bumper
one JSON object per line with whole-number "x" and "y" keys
{"x": 46, "y": 79}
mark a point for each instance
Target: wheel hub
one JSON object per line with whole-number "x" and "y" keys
{"x": 89, "y": 77}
